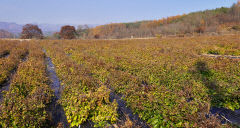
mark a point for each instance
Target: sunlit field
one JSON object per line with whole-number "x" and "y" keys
{"x": 168, "y": 82}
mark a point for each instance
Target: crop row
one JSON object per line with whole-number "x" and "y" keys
{"x": 165, "y": 81}
{"x": 25, "y": 104}
{"x": 9, "y": 64}
{"x": 5, "y": 47}
{"x": 164, "y": 84}
{"x": 153, "y": 98}
{"x": 227, "y": 46}
{"x": 83, "y": 98}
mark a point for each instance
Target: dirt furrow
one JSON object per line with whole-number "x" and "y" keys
{"x": 5, "y": 86}
{"x": 126, "y": 113}
{"x": 227, "y": 115}
{"x": 57, "y": 114}
{"x": 4, "y": 55}
{"x": 225, "y": 56}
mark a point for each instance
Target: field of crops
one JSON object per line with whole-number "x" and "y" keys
{"x": 156, "y": 83}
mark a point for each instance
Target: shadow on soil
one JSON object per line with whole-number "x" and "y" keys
{"x": 5, "y": 54}
{"x": 126, "y": 113}
{"x": 217, "y": 94}
{"x": 57, "y": 114}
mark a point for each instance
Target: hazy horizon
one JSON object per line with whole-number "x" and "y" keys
{"x": 95, "y": 12}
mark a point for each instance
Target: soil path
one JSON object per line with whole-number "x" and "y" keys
{"x": 227, "y": 115}
{"x": 58, "y": 117}
{"x": 225, "y": 56}
{"x": 126, "y": 113}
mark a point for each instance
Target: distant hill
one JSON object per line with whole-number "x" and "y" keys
{"x": 17, "y": 28}
{"x": 6, "y": 34}
{"x": 215, "y": 21}
{"x": 11, "y": 27}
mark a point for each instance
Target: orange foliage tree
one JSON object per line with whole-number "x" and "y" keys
{"x": 68, "y": 32}
{"x": 162, "y": 21}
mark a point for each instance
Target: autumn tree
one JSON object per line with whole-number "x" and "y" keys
{"x": 201, "y": 27}
{"x": 235, "y": 11}
{"x": 82, "y": 31}
{"x": 30, "y": 31}
{"x": 68, "y": 32}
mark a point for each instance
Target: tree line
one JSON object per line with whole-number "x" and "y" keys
{"x": 209, "y": 21}
{"x": 31, "y": 31}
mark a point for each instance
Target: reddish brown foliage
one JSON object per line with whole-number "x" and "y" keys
{"x": 200, "y": 29}
{"x": 97, "y": 36}
{"x": 30, "y": 31}
{"x": 68, "y": 32}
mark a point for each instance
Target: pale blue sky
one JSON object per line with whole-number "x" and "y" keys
{"x": 99, "y": 11}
